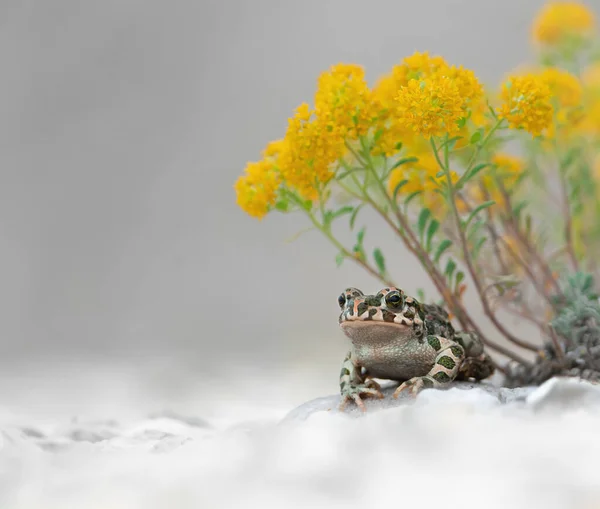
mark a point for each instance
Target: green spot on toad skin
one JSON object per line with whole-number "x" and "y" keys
{"x": 434, "y": 342}
{"x": 442, "y": 377}
{"x": 457, "y": 351}
{"x": 447, "y": 362}
{"x": 427, "y": 383}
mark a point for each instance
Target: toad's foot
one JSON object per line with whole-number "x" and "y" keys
{"x": 445, "y": 368}
{"x": 369, "y": 388}
{"x": 415, "y": 385}
{"x": 476, "y": 368}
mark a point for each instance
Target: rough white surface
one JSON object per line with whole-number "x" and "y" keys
{"x": 476, "y": 447}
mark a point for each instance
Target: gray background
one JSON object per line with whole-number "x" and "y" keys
{"x": 124, "y": 125}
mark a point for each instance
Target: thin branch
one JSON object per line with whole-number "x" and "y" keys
{"x": 568, "y": 221}
{"x": 469, "y": 262}
{"x": 524, "y": 241}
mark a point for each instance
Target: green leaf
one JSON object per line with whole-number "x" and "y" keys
{"x": 519, "y": 208}
{"x": 474, "y": 230}
{"x": 491, "y": 110}
{"x": 349, "y": 171}
{"x": 379, "y": 260}
{"x": 431, "y": 230}
{"x": 282, "y": 205}
{"x": 399, "y": 186}
{"x": 411, "y": 196}
{"x": 452, "y": 141}
{"x": 377, "y": 135}
{"x": 306, "y": 204}
{"x": 527, "y": 226}
{"x": 439, "y": 174}
{"x": 569, "y": 158}
{"x": 461, "y": 122}
{"x": 404, "y": 160}
{"x": 340, "y": 212}
{"x": 476, "y": 211}
{"x": 475, "y": 137}
{"x": 360, "y": 236}
{"x": 450, "y": 268}
{"x": 478, "y": 247}
{"x": 353, "y": 216}
{"x": 420, "y": 294}
{"x": 460, "y": 276}
{"x": 468, "y": 175}
{"x": 422, "y": 221}
{"x": 444, "y": 245}
{"x": 339, "y": 259}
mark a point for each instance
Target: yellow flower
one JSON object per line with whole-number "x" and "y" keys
{"x": 527, "y": 104}
{"x": 343, "y": 101}
{"x": 418, "y": 65}
{"x": 421, "y": 65}
{"x": 432, "y": 104}
{"x": 431, "y": 107}
{"x": 565, "y": 87}
{"x": 273, "y": 148}
{"x": 466, "y": 81}
{"x": 559, "y": 20}
{"x": 257, "y": 189}
{"x": 307, "y": 153}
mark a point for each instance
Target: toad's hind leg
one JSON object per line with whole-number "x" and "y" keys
{"x": 477, "y": 365}
{"x": 445, "y": 368}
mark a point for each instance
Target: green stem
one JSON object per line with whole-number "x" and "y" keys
{"x": 327, "y": 232}
{"x": 483, "y": 143}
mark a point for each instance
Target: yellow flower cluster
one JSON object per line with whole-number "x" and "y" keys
{"x": 433, "y": 102}
{"x": 310, "y": 149}
{"x": 314, "y": 140}
{"x": 257, "y": 189}
{"x": 527, "y": 103}
{"x": 384, "y": 96}
{"x": 343, "y": 101}
{"x": 557, "y": 21}
{"x": 564, "y": 87}
{"x": 431, "y": 107}
{"x": 423, "y": 95}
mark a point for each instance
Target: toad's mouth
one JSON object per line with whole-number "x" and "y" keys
{"x": 366, "y": 331}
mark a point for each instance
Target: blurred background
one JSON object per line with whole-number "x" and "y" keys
{"x": 130, "y": 277}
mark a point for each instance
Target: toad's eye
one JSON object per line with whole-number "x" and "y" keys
{"x": 394, "y": 300}
{"x": 342, "y": 300}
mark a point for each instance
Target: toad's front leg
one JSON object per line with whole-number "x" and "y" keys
{"x": 353, "y": 385}
{"x": 449, "y": 356}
